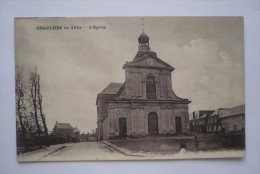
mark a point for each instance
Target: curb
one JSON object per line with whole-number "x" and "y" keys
{"x": 114, "y": 147}
{"x": 62, "y": 147}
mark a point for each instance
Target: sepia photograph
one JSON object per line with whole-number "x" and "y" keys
{"x": 129, "y": 88}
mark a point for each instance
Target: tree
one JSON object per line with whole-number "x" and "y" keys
{"x": 21, "y": 109}
{"x": 31, "y": 121}
{"x": 39, "y": 96}
{"x": 36, "y": 99}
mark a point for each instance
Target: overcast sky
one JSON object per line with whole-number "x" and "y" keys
{"x": 75, "y": 65}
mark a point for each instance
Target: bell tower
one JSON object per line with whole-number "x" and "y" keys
{"x": 143, "y": 42}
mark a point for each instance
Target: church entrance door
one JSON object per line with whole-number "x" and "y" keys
{"x": 178, "y": 125}
{"x": 153, "y": 124}
{"x": 122, "y": 127}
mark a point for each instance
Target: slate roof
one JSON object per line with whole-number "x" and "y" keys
{"x": 63, "y": 126}
{"x": 233, "y": 111}
{"x": 112, "y": 88}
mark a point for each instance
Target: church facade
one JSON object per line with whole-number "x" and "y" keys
{"x": 145, "y": 104}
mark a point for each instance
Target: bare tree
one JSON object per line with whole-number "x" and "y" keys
{"x": 33, "y": 97}
{"x": 20, "y": 93}
{"x": 31, "y": 121}
{"x": 40, "y": 108}
{"x": 37, "y": 112}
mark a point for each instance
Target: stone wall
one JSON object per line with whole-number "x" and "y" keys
{"x": 136, "y": 83}
{"x": 228, "y": 123}
{"x": 105, "y": 129}
{"x": 102, "y": 112}
{"x": 136, "y": 115}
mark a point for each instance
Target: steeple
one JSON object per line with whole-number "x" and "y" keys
{"x": 143, "y": 41}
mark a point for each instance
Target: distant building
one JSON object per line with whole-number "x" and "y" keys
{"x": 66, "y": 131}
{"x": 233, "y": 119}
{"x": 213, "y": 124}
{"x": 62, "y": 129}
{"x": 88, "y": 137}
{"x": 222, "y": 120}
{"x": 83, "y": 137}
{"x": 199, "y": 120}
{"x": 75, "y": 135}
{"x": 145, "y": 104}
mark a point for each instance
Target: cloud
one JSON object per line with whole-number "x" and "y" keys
{"x": 205, "y": 74}
{"x": 76, "y": 65}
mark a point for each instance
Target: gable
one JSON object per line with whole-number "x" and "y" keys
{"x": 149, "y": 62}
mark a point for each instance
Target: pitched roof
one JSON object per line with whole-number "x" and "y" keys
{"x": 214, "y": 113}
{"x": 63, "y": 126}
{"x": 233, "y": 111}
{"x": 112, "y": 88}
{"x": 218, "y": 112}
{"x": 203, "y": 116}
{"x": 76, "y": 130}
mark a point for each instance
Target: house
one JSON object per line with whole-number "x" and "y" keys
{"x": 75, "y": 135}
{"x": 64, "y": 130}
{"x": 222, "y": 120}
{"x": 83, "y": 137}
{"x": 199, "y": 120}
{"x": 88, "y": 137}
{"x": 213, "y": 124}
{"x": 145, "y": 104}
{"x": 233, "y": 119}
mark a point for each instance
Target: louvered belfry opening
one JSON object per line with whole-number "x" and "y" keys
{"x": 150, "y": 87}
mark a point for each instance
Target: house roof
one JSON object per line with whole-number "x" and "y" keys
{"x": 203, "y": 116}
{"x": 75, "y": 129}
{"x": 112, "y": 88}
{"x": 232, "y": 111}
{"x": 214, "y": 113}
{"x": 218, "y": 112}
{"x": 63, "y": 126}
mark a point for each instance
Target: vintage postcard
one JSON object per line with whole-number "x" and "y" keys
{"x": 129, "y": 88}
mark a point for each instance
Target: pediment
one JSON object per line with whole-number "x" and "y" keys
{"x": 149, "y": 62}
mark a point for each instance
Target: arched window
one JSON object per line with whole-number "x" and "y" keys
{"x": 150, "y": 87}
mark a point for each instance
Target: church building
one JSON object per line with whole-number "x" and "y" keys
{"x": 145, "y": 104}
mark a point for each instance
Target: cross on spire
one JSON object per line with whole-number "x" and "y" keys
{"x": 142, "y": 23}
